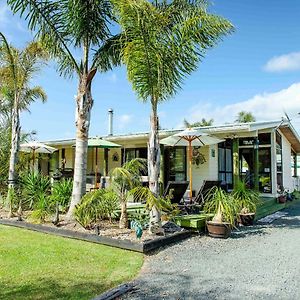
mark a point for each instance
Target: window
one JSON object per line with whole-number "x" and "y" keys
{"x": 225, "y": 163}
{"x": 132, "y": 153}
{"x": 294, "y": 163}
{"x": 175, "y": 164}
{"x": 279, "y": 160}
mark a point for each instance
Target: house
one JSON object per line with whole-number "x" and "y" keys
{"x": 264, "y": 154}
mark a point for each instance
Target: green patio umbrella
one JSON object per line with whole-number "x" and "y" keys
{"x": 97, "y": 143}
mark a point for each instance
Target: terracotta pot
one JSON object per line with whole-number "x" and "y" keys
{"x": 281, "y": 199}
{"x": 218, "y": 230}
{"x": 247, "y": 219}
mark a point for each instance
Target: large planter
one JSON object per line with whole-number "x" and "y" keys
{"x": 218, "y": 230}
{"x": 247, "y": 219}
{"x": 282, "y": 199}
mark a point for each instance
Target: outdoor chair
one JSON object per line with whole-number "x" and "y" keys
{"x": 207, "y": 185}
{"x": 177, "y": 190}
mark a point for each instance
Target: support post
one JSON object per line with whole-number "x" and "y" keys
{"x": 162, "y": 168}
{"x": 256, "y": 165}
{"x": 105, "y": 162}
{"x": 236, "y": 162}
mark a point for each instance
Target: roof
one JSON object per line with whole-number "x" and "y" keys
{"x": 225, "y": 130}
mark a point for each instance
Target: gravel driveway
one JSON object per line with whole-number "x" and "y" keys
{"x": 258, "y": 262}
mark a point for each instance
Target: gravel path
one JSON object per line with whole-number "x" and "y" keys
{"x": 258, "y": 262}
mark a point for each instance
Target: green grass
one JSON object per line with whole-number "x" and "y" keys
{"x": 39, "y": 266}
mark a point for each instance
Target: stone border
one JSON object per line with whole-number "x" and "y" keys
{"x": 116, "y": 292}
{"x": 144, "y": 247}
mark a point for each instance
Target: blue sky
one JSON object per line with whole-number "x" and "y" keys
{"x": 256, "y": 69}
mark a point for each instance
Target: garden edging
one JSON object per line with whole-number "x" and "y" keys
{"x": 144, "y": 247}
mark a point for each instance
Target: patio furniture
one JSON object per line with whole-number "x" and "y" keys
{"x": 177, "y": 189}
{"x": 207, "y": 185}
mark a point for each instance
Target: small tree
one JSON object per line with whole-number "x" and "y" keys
{"x": 123, "y": 180}
{"x": 245, "y": 117}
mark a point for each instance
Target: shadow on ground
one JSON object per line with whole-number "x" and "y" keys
{"x": 48, "y": 289}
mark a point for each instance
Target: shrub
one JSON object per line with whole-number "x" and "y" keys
{"x": 246, "y": 199}
{"x": 61, "y": 193}
{"x": 222, "y": 205}
{"x": 32, "y": 186}
{"x": 42, "y": 208}
{"x": 96, "y": 205}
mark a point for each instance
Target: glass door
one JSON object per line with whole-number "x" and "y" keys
{"x": 175, "y": 164}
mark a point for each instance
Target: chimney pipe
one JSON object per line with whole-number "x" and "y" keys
{"x": 110, "y": 121}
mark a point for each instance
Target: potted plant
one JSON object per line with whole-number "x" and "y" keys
{"x": 223, "y": 206}
{"x": 246, "y": 200}
{"x": 282, "y": 195}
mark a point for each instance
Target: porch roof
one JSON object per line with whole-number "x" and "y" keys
{"x": 225, "y": 130}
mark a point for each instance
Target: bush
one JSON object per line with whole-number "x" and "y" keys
{"x": 96, "y": 205}
{"x": 32, "y": 186}
{"x": 42, "y": 208}
{"x": 61, "y": 193}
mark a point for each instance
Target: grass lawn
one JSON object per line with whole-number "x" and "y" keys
{"x": 39, "y": 266}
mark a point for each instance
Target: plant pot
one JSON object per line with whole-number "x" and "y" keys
{"x": 281, "y": 199}
{"x": 247, "y": 219}
{"x": 218, "y": 230}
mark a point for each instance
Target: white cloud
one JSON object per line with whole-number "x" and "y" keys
{"x": 124, "y": 120}
{"x": 286, "y": 62}
{"x": 265, "y": 106}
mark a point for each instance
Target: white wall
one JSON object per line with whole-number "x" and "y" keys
{"x": 286, "y": 164}
{"x": 206, "y": 171}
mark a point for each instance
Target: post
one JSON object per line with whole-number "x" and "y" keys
{"x": 105, "y": 162}
{"x": 256, "y": 164}
{"x": 236, "y": 162}
{"x": 162, "y": 168}
{"x": 190, "y": 165}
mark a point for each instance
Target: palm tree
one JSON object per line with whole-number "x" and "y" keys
{"x": 123, "y": 180}
{"x": 66, "y": 28}
{"x": 245, "y": 117}
{"x": 202, "y": 123}
{"x": 163, "y": 42}
{"x": 17, "y": 68}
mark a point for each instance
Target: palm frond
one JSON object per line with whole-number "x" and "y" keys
{"x": 165, "y": 41}
{"x": 46, "y": 18}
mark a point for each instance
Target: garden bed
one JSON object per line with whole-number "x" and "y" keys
{"x": 109, "y": 234}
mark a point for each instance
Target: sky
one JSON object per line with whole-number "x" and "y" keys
{"x": 256, "y": 69}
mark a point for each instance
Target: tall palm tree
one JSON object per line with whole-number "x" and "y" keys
{"x": 66, "y": 28}
{"x": 17, "y": 68}
{"x": 163, "y": 42}
{"x": 245, "y": 117}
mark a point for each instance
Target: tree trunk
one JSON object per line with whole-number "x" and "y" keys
{"x": 123, "y": 223}
{"x": 154, "y": 170}
{"x": 84, "y": 103}
{"x": 15, "y": 141}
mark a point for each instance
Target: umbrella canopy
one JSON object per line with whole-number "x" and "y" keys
{"x": 190, "y": 137}
{"x": 36, "y": 147}
{"x": 101, "y": 143}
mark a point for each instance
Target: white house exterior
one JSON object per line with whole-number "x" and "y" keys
{"x": 264, "y": 154}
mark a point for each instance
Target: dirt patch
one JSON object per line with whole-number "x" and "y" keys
{"x": 103, "y": 228}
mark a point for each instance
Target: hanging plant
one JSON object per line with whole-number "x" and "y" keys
{"x": 198, "y": 158}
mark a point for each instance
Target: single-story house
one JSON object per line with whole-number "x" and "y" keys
{"x": 264, "y": 154}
